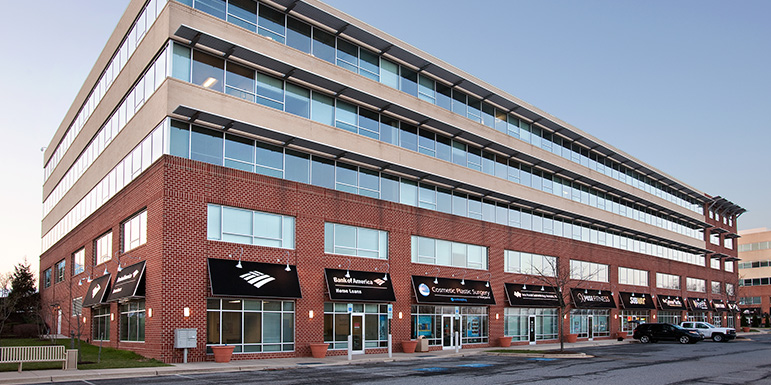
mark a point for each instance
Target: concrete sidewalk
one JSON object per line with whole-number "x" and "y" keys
{"x": 38, "y": 376}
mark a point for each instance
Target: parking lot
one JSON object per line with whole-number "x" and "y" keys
{"x": 744, "y": 361}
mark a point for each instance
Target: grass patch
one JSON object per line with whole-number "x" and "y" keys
{"x": 531, "y": 351}
{"x": 87, "y": 357}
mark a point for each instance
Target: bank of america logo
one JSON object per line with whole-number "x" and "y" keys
{"x": 256, "y": 278}
{"x": 379, "y": 282}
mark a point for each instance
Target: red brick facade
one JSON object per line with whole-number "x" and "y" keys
{"x": 176, "y": 191}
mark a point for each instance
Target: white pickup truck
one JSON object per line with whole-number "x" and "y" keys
{"x": 709, "y": 330}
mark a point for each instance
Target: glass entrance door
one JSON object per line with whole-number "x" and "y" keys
{"x": 357, "y": 333}
{"x": 531, "y": 329}
{"x": 450, "y": 325}
{"x": 590, "y": 323}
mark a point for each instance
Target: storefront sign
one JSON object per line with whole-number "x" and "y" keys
{"x": 699, "y": 304}
{"x": 359, "y": 286}
{"x": 253, "y": 279}
{"x": 390, "y": 311}
{"x": 97, "y": 291}
{"x": 719, "y": 305}
{"x": 129, "y": 283}
{"x": 671, "y": 303}
{"x": 636, "y": 300}
{"x": 452, "y": 291}
{"x": 592, "y": 299}
{"x": 531, "y": 296}
{"x": 732, "y": 306}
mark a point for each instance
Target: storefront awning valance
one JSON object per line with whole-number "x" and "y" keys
{"x": 520, "y": 295}
{"x": 699, "y": 304}
{"x": 751, "y": 311}
{"x": 719, "y": 305}
{"x": 359, "y": 286}
{"x": 253, "y": 279}
{"x": 671, "y": 303}
{"x": 733, "y": 307}
{"x": 452, "y": 291}
{"x": 592, "y": 299}
{"x": 97, "y": 291}
{"x": 129, "y": 283}
{"x": 636, "y": 300}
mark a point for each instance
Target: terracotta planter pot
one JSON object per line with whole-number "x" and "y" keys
{"x": 745, "y": 329}
{"x": 408, "y": 346}
{"x": 222, "y": 353}
{"x": 621, "y": 335}
{"x": 571, "y": 338}
{"x": 319, "y": 350}
{"x": 505, "y": 342}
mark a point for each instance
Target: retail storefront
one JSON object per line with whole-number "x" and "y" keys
{"x": 720, "y": 316}
{"x": 672, "y": 308}
{"x": 359, "y": 308}
{"x": 699, "y": 309}
{"x": 95, "y": 298}
{"x": 636, "y": 310}
{"x": 532, "y": 313}
{"x": 733, "y": 314}
{"x": 591, "y": 316}
{"x": 252, "y": 306}
{"x": 451, "y": 312}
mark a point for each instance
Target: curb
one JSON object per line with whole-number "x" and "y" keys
{"x": 537, "y": 355}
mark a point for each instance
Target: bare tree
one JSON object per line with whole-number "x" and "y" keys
{"x": 562, "y": 277}
{"x": 8, "y": 301}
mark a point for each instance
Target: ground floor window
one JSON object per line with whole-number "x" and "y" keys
{"x": 731, "y": 321}
{"x": 100, "y": 323}
{"x": 132, "y": 321}
{"x": 367, "y": 324}
{"x": 717, "y": 319}
{"x": 251, "y": 325}
{"x": 698, "y": 316}
{"x": 439, "y": 323}
{"x": 580, "y": 320}
{"x": 631, "y": 318}
{"x": 672, "y": 317}
{"x": 517, "y": 321}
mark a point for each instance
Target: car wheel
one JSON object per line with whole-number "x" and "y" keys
{"x": 685, "y": 339}
{"x": 645, "y": 339}
{"x": 718, "y": 338}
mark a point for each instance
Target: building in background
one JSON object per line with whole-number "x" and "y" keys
{"x": 277, "y": 174}
{"x": 755, "y": 274}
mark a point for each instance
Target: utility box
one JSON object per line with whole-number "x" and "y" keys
{"x": 185, "y": 338}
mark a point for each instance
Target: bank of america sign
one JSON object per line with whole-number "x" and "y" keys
{"x": 257, "y": 278}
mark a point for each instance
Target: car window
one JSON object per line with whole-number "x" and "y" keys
{"x": 676, "y": 326}
{"x": 709, "y": 325}
{"x": 687, "y": 325}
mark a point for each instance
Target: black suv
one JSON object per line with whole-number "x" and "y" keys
{"x": 652, "y": 332}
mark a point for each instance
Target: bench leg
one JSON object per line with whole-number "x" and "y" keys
{"x": 20, "y": 367}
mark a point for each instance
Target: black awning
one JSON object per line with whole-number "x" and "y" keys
{"x": 359, "y": 286}
{"x": 732, "y": 306}
{"x": 636, "y": 300}
{"x": 452, "y": 291}
{"x": 97, "y": 291}
{"x": 532, "y": 296}
{"x": 699, "y": 304}
{"x": 129, "y": 283}
{"x": 719, "y": 305}
{"x": 253, "y": 279}
{"x": 671, "y": 303}
{"x": 592, "y": 299}
{"x": 750, "y": 311}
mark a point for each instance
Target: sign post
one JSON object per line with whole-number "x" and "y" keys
{"x": 390, "y": 348}
{"x": 350, "y": 347}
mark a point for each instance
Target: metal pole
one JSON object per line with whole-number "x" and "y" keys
{"x": 184, "y": 358}
{"x": 457, "y": 342}
{"x": 350, "y": 347}
{"x": 390, "y": 347}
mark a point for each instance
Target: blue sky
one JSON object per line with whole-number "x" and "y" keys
{"x": 684, "y": 86}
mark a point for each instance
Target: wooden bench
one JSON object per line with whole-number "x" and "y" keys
{"x": 22, "y": 354}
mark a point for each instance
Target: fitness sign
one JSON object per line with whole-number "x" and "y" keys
{"x": 592, "y": 299}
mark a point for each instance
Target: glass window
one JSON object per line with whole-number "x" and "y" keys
{"x": 103, "y": 249}
{"x": 132, "y": 321}
{"x": 100, "y": 319}
{"x": 59, "y": 271}
{"x": 431, "y": 251}
{"x": 252, "y": 325}
{"x": 181, "y": 62}
{"x": 323, "y": 45}
{"x": 323, "y": 172}
{"x": 298, "y": 100}
{"x": 271, "y": 24}
{"x": 355, "y": 241}
{"x": 134, "y": 231}
{"x": 208, "y": 71}
{"x": 243, "y": 13}
{"x": 180, "y": 139}
{"x": 347, "y": 55}
{"x": 346, "y": 116}
{"x": 298, "y": 34}
{"x": 206, "y": 145}
{"x": 239, "y": 153}
{"x": 408, "y": 137}
{"x": 588, "y": 271}
{"x": 389, "y": 73}
{"x": 408, "y": 81}
{"x": 323, "y": 109}
{"x": 297, "y": 166}
{"x": 270, "y": 160}
{"x": 239, "y": 81}
{"x": 627, "y": 276}
{"x": 426, "y": 89}
{"x": 78, "y": 261}
{"x": 270, "y": 91}
{"x": 532, "y": 264}
{"x": 232, "y": 224}
{"x": 213, "y": 7}
{"x": 389, "y": 130}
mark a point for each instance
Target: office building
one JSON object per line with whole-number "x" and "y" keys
{"x": 275, "y": 174}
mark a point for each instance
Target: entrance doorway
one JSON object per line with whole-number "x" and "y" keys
{"x": 531, "y": 329}
{"x": 357, "y": 333}
{"x": 450, "y": 325}
{"x": 591, "y": 327}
